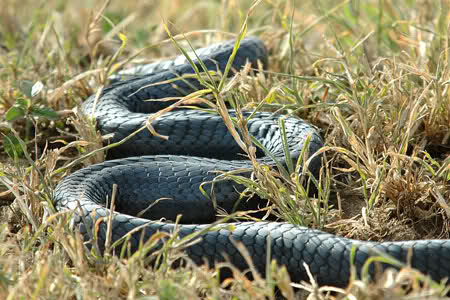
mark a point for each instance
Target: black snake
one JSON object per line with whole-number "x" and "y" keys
{"x": 147, "y": 168}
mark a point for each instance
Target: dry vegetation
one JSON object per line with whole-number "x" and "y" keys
{"x": 372, "y": 75}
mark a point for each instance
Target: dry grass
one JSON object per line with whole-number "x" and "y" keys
{"x": 372, "y": 75}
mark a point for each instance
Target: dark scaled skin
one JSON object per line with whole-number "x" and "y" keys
{"x": 148, "y": 168}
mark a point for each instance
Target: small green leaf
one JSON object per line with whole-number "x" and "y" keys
{"x": 26, "y": 86}
{"x": 12, "y": 146}
{"x": 14, "y": 113}
{"x": 44, "y": 112}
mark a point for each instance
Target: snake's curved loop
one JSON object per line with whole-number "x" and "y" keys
{"x": 199, "y": 145}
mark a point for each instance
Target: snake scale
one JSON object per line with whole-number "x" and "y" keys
{"x": 147, "y": 168}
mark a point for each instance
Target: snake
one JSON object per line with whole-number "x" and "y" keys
{"x": 158, "y": 179}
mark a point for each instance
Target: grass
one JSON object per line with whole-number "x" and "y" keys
{"x": 371, "y": 75}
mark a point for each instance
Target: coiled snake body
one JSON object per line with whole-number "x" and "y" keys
{"x": 148, "y": 168}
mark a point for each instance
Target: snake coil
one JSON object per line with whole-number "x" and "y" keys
{"x": 147, "y": 168}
